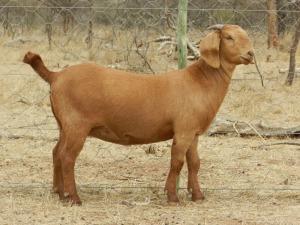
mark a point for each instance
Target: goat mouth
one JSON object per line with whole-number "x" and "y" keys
{"x": 247, "y": 60}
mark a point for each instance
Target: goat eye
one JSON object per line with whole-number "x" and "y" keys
{"x": 228, "y": 37}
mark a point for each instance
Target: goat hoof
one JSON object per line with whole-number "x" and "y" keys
{"x": 198, "y": 198}
{"x": 71, "y": 200}
{"x": 198, "y": 201}
{"x": 173, "y": 200}
{"x": 54, "y": 190}
{"x": 76, "y": 202}
{"x": 173, "y": 203}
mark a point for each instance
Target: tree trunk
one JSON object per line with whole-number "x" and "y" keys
{"x": 281, "y": 15}
{"x": 68, "y": 16}
{"x": 234, "y": 11}
{"x": 272, "y": 35}
{"x": 294, "y": 46}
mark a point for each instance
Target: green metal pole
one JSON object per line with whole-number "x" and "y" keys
{"x": 181, "y": 33}
{"x": 182, "y": 48}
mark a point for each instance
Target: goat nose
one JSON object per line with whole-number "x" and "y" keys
{"x": 251, "y": 54}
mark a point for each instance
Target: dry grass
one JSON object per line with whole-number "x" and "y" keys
{"x": 243, "y": 184}
{"x": 245, "y": 181}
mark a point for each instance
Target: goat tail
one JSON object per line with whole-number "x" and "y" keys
{"x": 36, "y": 62}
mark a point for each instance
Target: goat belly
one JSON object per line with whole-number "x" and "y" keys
{"x": 155, "y": 137}
{"x": 106, "y": 134}
{"x": 145, "y": 136}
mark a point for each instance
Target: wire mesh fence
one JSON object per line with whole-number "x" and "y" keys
{"x": 140, "y": 36}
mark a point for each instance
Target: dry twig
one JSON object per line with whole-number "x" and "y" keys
{"x": 261, "y": 77}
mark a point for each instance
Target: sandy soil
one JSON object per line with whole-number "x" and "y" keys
{"x": 244, "y": 181}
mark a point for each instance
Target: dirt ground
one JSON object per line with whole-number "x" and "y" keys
{"x": 245, "y": 180}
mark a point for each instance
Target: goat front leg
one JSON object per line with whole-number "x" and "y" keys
{"x": 179, "y": 147}
{"x": 193, "y": 162}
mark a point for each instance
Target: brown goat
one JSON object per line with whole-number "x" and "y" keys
{"x": 127, "y": 108}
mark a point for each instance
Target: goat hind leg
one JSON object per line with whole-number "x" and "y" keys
{"x": 193, "y": 162}
{"x": 69, "y": 153}
{"x": 58, "y": 181}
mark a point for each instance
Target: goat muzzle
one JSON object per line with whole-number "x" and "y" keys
{"x": 248, "y": 59}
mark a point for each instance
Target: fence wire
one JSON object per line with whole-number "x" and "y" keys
{"x": 140, "y": 36}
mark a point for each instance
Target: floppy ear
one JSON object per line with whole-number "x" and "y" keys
{"x": 209, "y": 49}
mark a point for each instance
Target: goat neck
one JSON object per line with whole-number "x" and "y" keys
{"x": 212, "y": 84}
{"x": 219, "y": 76}
{"x": 227, "y": 70}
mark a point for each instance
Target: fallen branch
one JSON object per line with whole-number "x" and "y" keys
{"x": 133, "y": 203}
{"x": 163, "y": 44}
{"x": 193, "y": 48}
{"x": 279, "y": 143}
{"x": 243, "y": 129}
{"x": 285, "y": 70}
{"x": 166, "y": 40}
{"x": 35, "y": 138}
{"x": 22, "y": 40}
{"x": 163, "y": 39}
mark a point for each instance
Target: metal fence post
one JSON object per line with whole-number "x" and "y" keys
{"x": 182, "y": 45}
